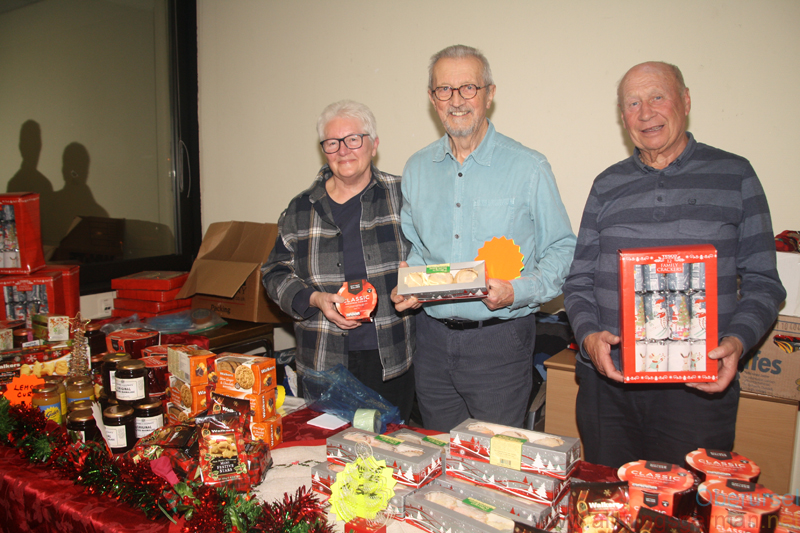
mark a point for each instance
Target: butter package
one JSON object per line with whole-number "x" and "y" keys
{"x": 529, "y": 513}
{"x": 448, "y": 281}
{"x": 537, "y": 488}
{"x": 270, "y": 431}
{"x": 726, "y": 505}
{"x": 360, "y": 300}
{"x": 514, "y": 448}
{"x": 663, "y": 486}
{"x": 191, "y": 364}
{"x": 247, "y": 374}
{"x": 412, "y": 465}
{"x": 434, "y": 509}
{"x": 709, "y": 464}
{"x": 50, "y": 328}
{"x": 193, "y": 398}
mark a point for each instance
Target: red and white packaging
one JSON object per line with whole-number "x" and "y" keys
{"x": 716, "y": 464}
{"x": 71, "y": 281}
{"x": 360, "y": 300}
{"x": 664, "y": 487}
{"x": 789, "y": 516}
{"x": 20, "y": 233}
{"x": 733, "y": 505}
{"x": 132, "y": 340}
{"x": 150, "y": 296}
{"x": 33, "y": 294}
{"x": 151, "y": 280}
{"x": 668, "y": 313}
{"x": 146, "y": 306}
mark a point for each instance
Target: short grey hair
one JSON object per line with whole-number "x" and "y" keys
{"x": 348, "y": 109}
{"x": 671, "y": 69}
{"x": 459, "y": 51}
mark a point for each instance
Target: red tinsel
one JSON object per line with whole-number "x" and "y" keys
{"x": 207, "y": 515}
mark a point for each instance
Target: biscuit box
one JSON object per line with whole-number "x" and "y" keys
{"x": 726, "y": 505}
{"x": 177, "y": 414}
{"x": 668, "y": 313}
{"x": 530, "y": 513}
{"x": 663, "y": 486}
{"x": 36, "y": 361}
{"x": 191, "y": 364}
{"x": 709, "y": 464}
{"x": 20, "y": 226}
{"x": 193, "y": 398}
{"x": 534, "y": 487}
{"x": 448, "y": 281}
{"x": 412, "y": 465}
{"x": 259, "y": 407}
{"x": 151, "y": 280}
{"x": 435, "y": 509}
{"x": 774, "y": 368}
{"x": 270, "y": 430}
{"x": 247, "y": 374}
{"x": 33, "y": 294}
{"x": 132, "y": 340}
{"x": 51, "y": 328}
{"x": 514, "y": 448}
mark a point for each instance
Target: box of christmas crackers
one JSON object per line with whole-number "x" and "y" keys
{"x": 668, "y": 313}
{"x": 20, "y": 233}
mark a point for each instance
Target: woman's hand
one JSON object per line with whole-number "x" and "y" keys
{"x": 326, "y": 302}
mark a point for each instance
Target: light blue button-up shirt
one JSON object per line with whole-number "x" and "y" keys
{"x": 503, "y": 189}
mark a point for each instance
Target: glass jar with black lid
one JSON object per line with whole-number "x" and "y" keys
{"x": 120, "y": 425}
{"x": 110, "y": 360}
{"x": 82, "y": 426}
{"x": 130, "y": 381}
{"x": 149, "y": 416}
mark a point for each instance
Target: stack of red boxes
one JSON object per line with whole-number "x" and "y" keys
{"x": 149, "y": 293}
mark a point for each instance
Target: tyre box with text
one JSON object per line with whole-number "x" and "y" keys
{"x": 774, "y": 367}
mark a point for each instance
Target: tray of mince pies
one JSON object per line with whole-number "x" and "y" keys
{"x": 447, "y": 281}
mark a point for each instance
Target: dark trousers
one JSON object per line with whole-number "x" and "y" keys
{"x": 483, "y": 373}
{"x": 366, "y": 366}
{"x": 620, "y": 423}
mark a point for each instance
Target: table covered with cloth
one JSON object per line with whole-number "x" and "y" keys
{"x": 34, "y": 499}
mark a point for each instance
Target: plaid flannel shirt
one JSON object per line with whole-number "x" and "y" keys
{"x": 308, "y": 254}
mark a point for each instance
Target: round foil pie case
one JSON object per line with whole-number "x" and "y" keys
{"x": 714, "y": 464}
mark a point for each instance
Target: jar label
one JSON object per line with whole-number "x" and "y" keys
{"x": 116, "y": 437}
{"x": 88, "y": 396}
{"x": 148, "y": 424}
{"x": 130, "y": 389}
{"x": 112, "y": 380}
{"x": 52, "y": 411}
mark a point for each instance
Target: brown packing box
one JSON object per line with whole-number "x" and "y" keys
{"x": 774, "y": 369}
{"x": 226, "y": 276}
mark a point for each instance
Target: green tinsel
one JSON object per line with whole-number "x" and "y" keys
{"x": 241, "y": 511}
{"x": 7, "y": 424}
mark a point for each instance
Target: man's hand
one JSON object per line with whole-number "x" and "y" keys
{"x": 501, "y": 294}
{"x": 727, "y": 355}
{"x": 326, "y": 302}
{"x": 598, "y": 346}
{"x": 401, "y": 303}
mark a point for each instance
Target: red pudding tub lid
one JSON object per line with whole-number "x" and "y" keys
{"x": 716, "y": 464}
{"x": 663, "y": 487}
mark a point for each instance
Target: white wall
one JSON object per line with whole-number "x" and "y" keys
{"x": 268, "y": 67}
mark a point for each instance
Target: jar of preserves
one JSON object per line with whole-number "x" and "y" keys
{"x": 95, "y": 339}
{"x": 79, "y": 388}
{"x": 110, "y": 360}
{"x": 120, "y": 428}
{"x": 131, "y": 381}
{"x": 80, "y": 404}
{"x": 62, "y": 391}
{"x": 47, "y": 399}
{"x": 21, "y": 336}
{"x": 81, "y": 426}
{"x": 149, "y": 416}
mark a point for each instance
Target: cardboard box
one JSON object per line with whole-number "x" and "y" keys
{"x": 191, "y": 364}
{"x": 226, "y": 276}
{"x": 789, "y": 272}
{"x": 514, "y": 448}
{"x": 193, "y": 398}
{"x": 51, "y": 328}
{"x": 20, "y": 225}
{"x": 415, "y": 281}
{"x": 33, "y": 294}
{"x": 668, "y": 313}
{"x": 71, "y": 290}
{"x": 774, "y": 369}
{"x": 270, "y": 431}
{"x": 245, "y": 374}
{"x": 259, "y": 407}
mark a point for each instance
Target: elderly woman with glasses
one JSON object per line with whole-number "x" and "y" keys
{"x": 346, "y": 227}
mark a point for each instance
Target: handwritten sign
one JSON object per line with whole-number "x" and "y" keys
{"x": 20, "y": 389}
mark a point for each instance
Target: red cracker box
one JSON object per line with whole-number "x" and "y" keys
{"x": 245, "y": 373}
{"x": 34, "y": 294}
{"x": 514, "y": 448}
{"x": 665, "y": 487}
{"x": 151, "y": 280}
{"x": 150, "y": 296}
{"x": 191, "y": 364}
{"x": 668, "y": 313}
{"x": 270, "y": 431}
{"x": 151, "y": 307}
{"x": 260, "y": 406}
{"x": 71, "y": 286}
{"x": 193, "y": 398}
{"x": 21, "y": 233}
{"x": 413, "y": 466}
{"x": 533, "y": 487}
{"x": 734, "y": 505}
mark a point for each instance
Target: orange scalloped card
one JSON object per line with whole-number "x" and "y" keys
{"x": 503, "y": 258}
{"x": 20, "y": 389}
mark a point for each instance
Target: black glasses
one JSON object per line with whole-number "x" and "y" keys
{"x": 467, "y": 92}
{"x": 354, "y": 141}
